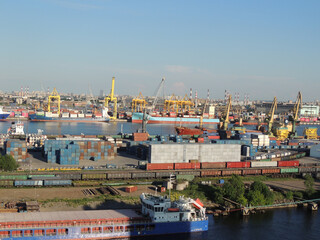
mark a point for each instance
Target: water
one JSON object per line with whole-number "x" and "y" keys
{"x": 273, "y": 224}
{"x": 112, "y": 128}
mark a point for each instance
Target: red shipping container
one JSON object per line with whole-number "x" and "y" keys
{"x": 205, "y": 165}
{"x": 200, "y": 140}
{"x": 214, "y": 137}
{"x": 288, "y": 163}
{"x": 187, "y": 166}
{"x": 131, "y": 189}
{"x": 238, "y": 164}
{"x": 159, "y": 166}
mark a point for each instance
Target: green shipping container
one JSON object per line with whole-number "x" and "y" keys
{"x": 13, "y": 177}
{"x": 42, "y": 176}
{"x": 289, "y": 170}
{"x": 185, "y": 177}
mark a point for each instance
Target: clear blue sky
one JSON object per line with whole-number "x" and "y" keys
{"x": 264, "y": 48}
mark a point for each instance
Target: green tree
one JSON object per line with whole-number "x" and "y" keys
{"x": 289, "y": 195}
{"x": 233, "y": 188}
{"x": 242, "y": 200}
{"x": 309, "y": 183}
{"x": 7, "y": 163}
{"x": 264, "y": 190}
{"x": 256, "y": 198}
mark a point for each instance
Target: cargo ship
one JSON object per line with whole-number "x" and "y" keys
{"x": 159, "y": 216}
{"x": 182, "y": 119}
{"x": 3, "y": 115}
{"x": 69, "y": 117}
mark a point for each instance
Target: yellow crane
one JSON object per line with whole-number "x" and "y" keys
{"x": 225, "y": 118}
{"x": 271, "y": 116}
{"x": 54, "y": 96}
{"x": 185, "y": 104}
{"x": 311, "y": 133}
{"x": 111, "y": 98}
{"x": 139, "y": 102}
{"x": 295, "y": 115}
{"x": 172, "y": 104}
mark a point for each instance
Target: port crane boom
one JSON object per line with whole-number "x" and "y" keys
{"x": 225, "y": 119}
{"x": 271, "y": 115}
{"x": 113, "y": 99}
{"x": 295, "y": 115}
{"x": 157, "y": 95}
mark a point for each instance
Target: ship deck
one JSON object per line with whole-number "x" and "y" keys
{"x": 68, "y": 216}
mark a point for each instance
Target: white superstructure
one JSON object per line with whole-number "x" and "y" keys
{"x": 161, "y": 209}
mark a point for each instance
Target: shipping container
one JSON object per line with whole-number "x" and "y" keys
{"x": 186, "y": 166}
{"x": 263, "y": 164}
{"x": 288, "y": 163}
{"x": 208, "y": 173}
{"x": 160, "y": 166}
{"x": 238, "y": 164}
{"x": 251, "y": 172}
{"x": 307, "y": 169}
{"x": 208, "y": 165}
{"x": 131, "y": 189}
{"x": 289, "y": 170}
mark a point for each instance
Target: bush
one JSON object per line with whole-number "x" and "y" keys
{"x": 8, "y": 163}
{"x": 289, "y": 195}
{"x": 309, "y": 182}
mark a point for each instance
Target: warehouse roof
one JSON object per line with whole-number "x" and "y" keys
{"x": 67, "y": 215}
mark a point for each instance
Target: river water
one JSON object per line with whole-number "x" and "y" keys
{"x": 274, "y": 224}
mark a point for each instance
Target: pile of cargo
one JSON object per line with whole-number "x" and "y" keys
{"x": 70, "y": 152}
{"x": 35, "y": 140}
{"x": 17, "y": 149}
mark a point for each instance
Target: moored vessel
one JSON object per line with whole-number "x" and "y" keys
{"x": 159, "y": 216}
{"x": 69, "y": 117}
{"x": 3, "y": 115}
{"x": 182, "y": 119}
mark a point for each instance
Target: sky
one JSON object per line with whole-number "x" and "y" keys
{"x": 263, "y": 48}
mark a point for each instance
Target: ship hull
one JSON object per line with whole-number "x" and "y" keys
{"x": 4, "y": 116}
{"x": 138, "y": 230}
{"x": 39, "y": 118}
{"x": 137, "y": 118}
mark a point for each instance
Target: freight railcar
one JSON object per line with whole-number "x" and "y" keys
{"x": 119, "y": 175}
{"x": 51, "y": 183}
{"x": 28, "y": 183}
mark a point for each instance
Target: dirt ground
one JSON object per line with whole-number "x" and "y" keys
{"x": 23, "y": 194}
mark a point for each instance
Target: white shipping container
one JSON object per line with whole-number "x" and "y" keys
{"x": 48, "y": 114}
{"x": 55, "y": 115}
{"x": 73, "y": 115}
{"x": 264, "y": 164}
{"x": 81, "y": 115}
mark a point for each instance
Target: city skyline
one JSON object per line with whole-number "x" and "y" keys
{"x": 265, "y": 48}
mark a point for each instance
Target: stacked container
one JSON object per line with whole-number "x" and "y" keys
{"x": 70, "y": 152}
{"x": 17, "y": 149}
